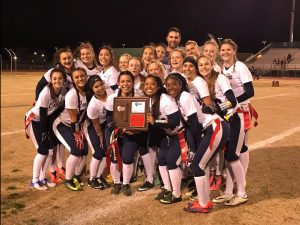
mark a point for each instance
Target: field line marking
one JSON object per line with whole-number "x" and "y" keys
{"x": 272, "y": 96}
{"x": 273, "y": 139}
{"x": 7, "y": 95}
{"x": 12, "y": 132}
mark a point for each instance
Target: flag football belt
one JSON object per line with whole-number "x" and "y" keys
{"x": 247, "y": 118}
{"x": 28, "y": 120}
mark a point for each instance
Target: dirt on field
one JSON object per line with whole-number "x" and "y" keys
{"x": 273, "y": 181}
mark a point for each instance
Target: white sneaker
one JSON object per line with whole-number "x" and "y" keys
{"x": 237, "y": 200}
{"x": 38, "y": 186}
{"x": 47, "y": 183}
{"x": 223, "y": 198}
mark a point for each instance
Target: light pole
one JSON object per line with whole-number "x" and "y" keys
{"x": 15, "y": 59}
{"x": 1, "y": 62}
{"x": 10, "y": 58}
{"x": 219, "y": 39}
{"x": 264, "y": 43}
{"x": 123, "y": 45}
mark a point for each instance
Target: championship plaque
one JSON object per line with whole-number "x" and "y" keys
{"x": 131, "y": 112}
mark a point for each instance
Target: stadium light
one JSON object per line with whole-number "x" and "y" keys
{"x": 10, "y": 58}
{"x": 15, "y": 59}
{"x": 1, "y": 62}
{"x": 219, "y": 39}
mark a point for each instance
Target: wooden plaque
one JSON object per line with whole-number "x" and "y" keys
{"x": 131, "y": 112}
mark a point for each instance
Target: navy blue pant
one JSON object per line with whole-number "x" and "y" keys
{"x": 99, "y": 152}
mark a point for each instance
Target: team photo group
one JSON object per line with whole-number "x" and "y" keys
{"x": 198, "y": 120}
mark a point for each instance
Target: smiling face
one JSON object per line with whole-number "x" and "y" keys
{"x": 176, "y": 60}
{"x": 125, "y": 84}
{"x": 227, "y": 53}
{"x": 173, "y": 39}
{"x": 189, "y": 71}
{"x": 134, "y": 66}
{"x": 86, "y": 56}
{"x": 99, "y": 89}
{"x": 205, "y": 66}
{"x": 210, "y": 51}
{"x": 79, "y": 79}
{"x": 148, "y": 55}
{"x": 155, "y": 69}
{"x": 150, "y": 86}
{"x": 105, "y": 58}
{"x": 192, "y": 50}
{"x": 66, "y": 60}
{"x": 173, "y": 87}
{"x": 160, "y": 52}
{"x": 123, "y": 62}
{"x": 57, "y": 80}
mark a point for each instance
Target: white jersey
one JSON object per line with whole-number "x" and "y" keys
{"x": 110, "y": 77}
{"x": 238, "y": 75}
{"x": 95, "y": 71}
{"x": 46, "y": 101}
{"x": 96, "y": 109}
{"x": 71, "y": 102}
{"x": 217, "y": 68}
{"x": 199, "y": 88}
{"x": 187, "y": 104}
{"x": 137, "y": 84}
{"x": 168, "y": 106}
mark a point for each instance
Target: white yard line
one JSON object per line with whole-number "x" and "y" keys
{"x": 12, "y": 132}
{"x": 4, "y": 95}
{"x": 272, "y": 96}
{"x": 273, "y": 139}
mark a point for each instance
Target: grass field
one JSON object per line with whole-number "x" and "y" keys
{"x": 273, "y": 181}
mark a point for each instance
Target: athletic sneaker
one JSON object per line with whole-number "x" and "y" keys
{"x": 223, "y": 198}
{"x": 54, "y": 177}
{"x": 47, "y": 183}
{"x": 237, "y": 200}
{"x": 38, "y": 186}
{"x": 170, "y": 199}
{"x": 215, "y": 185}
{"x": 71, "y": 185}
{"x": 146, "y": 186}
{"x": 116, "y": 189}
{"x": 164, "y": 192}
{"x": 195, "y": 207}
{"x": 104, "y": 182}
{"x": 95, "y": 184}
{"x": 61, "y": 172}
{"x": 194, "y": 195}
{"x": 77, "y": 180}
{"x": 126, "y": 190}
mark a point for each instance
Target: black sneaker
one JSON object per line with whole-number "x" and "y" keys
{"x": 95, "y": 184}
{"x": 162, "y": 194}
{"x": 116, "y": 189}
{"x": 126, "y": 189}
{"x": 170, "y": 199}
{"x": 104, "y": 182}
{"x": 146, "y": 186}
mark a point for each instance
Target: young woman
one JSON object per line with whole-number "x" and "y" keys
{"x": 165, "y": 114}
{"x": 95, "y": 132}
{"x": 211, "y": 50}
{"x": 68, "y": 128}
{"x": 135, "y": 66}
{"x": 38, "y": 122}
{"x": 123, "y": 61}
{"x": 155, "y": 67}
{"x": 109, "y": 73}
{"x": 222, "y": 95}
{"x": 85, "y": 58}
{"x": 176, "y": 60}
{"x": 161, "y": 51}
{"x": 132, "y": 141}
{"x": 236, "y": 154}
{"x": 148, "y": 54}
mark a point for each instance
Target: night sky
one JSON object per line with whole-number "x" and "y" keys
{"x": 48, "y": 24}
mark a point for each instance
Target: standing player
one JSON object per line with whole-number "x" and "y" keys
{"x": 237, "y": 154}
{"x": 173, "y": 39}
{"x": 148, "y": 54}
{"x": 68, "y": 128}
{"x": 95, "y": 133}
{"x": 38, "y": 124}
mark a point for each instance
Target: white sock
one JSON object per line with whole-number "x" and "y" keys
{"x": 37, "y": 165}
{"x": 80, "y": 164}
{"x": 165, "y": 177}
{"x": 101, "y": 168}
{"x": 239, "y": 176}
{"x": 202, "y": 187}
{"x": 152, "y": 153}
{"x": 60, "y": 156}
{"x": 70, "y": 166}
{"x": 127, "y": 172}
{"x": 94, "y": 164}
{"x": 244, "y": 158}
{"x": 207, "y": 173}
{"x": 115, "y": 173}
{"x": 229, "y": 180}
{"x": 45, "y": 165}
{"x": 175, "y": 177}
{"x": 148, "y": 167}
